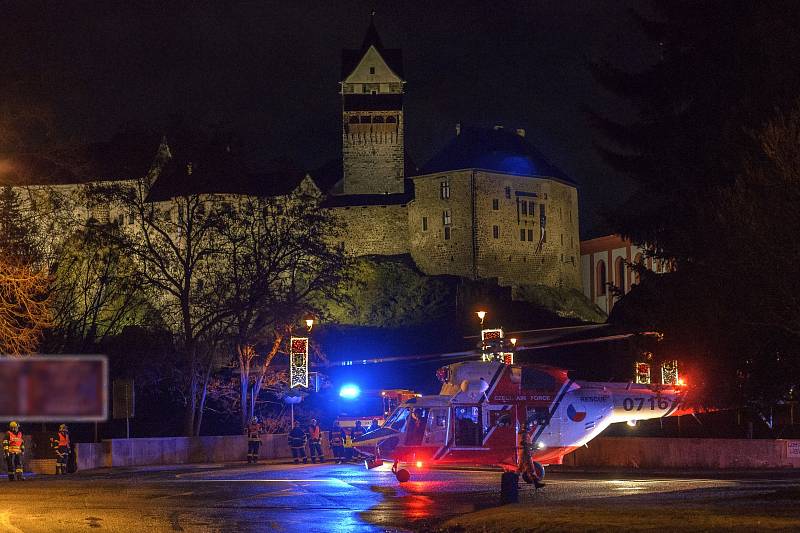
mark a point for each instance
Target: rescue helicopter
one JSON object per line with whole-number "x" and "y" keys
{"x": 519, "y": 417}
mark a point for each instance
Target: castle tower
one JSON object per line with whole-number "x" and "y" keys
{"x": 372, "y": 117}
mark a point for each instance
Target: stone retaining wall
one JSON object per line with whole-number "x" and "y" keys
{"x": 641, "y": 452}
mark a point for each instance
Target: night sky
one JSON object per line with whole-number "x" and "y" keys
{"x": 269, "y": 71}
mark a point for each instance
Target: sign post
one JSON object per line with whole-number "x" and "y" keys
{"x": 123, "y": 396}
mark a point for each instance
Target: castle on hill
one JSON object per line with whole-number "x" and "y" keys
{"x": 488, "y": 205}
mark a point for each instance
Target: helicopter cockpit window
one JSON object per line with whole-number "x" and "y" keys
{"x": 398, "y": 419}
{"x": 415, "y": 428}
{"x": 533, "y": 378}
{"x": 469, "y": 431}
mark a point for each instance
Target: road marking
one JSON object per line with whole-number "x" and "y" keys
{"x": 224, "y": 480}
{"x": 5, "y": 523}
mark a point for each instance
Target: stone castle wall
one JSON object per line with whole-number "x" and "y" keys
{"x": 426, "y": 221}
{"x": 372, "y": 152}
{"x": 498, "y": 249}
{"x": 374, "y": 229}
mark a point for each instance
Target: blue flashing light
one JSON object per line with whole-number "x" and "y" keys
{"x": 350, "y": 392}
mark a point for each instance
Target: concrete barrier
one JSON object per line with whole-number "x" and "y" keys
{"x": 626, "y": 452}
{"x": 642, "y": 452}
{"x": 176, "y": 450}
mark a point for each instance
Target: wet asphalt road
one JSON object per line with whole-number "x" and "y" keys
{"x": 326, "y": 498}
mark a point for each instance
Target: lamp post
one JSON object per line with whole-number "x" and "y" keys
{"x": 481, "y": 316}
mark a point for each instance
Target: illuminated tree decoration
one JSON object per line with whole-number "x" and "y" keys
{"x": 491, "y": 343}
{"x": 669, "y": 372}
{"x": 508, "y": 358}
{"x": 443, "y": 374}
{"x": 641, "y": 372}
{"x": 298, "y": 362}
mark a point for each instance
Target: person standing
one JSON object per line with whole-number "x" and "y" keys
{"x": 62, "y": 446}
{"x": 297, "y": 442}
{"x": 355, "y": 433}
{"x": 336, "y": 439}
{"x": 374, "y": 425}
{"x": 13, "y": 448}
{"x": 315, "y": 442}
{"x": 254, "y": 431}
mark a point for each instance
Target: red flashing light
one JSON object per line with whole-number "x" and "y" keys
{"x": 419, "y": 464}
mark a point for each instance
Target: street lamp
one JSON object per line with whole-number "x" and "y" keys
{"x": 513, "y": 342}
{"x": 309, "y": 323}
{"x": 481, "y": 316}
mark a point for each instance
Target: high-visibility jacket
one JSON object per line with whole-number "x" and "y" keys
{"x": 348, "y": 441}
{"x": 253, "y": 432}
{"x": 13, "y": 442}
{"x": 314, "y": 433}
{"x": 63, "y": 439}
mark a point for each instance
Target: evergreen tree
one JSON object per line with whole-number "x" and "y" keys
{"x": 723, "y": 70}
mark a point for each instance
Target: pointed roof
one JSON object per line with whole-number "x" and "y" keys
{"x": 392, "y": 56}
{"x": 371, "y": 38}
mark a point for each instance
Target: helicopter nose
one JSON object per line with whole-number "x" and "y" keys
{"x": 374, "y": 437}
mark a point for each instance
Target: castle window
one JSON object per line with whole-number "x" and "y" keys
{"x": 424, "y": 223}
{"x": 131, "y": 218}
{"x": 377, "y": 120}
{"x": 530, "y": 235}
{"x": 446, "y": 217}
{"x": 447, "y": 233}
{"x": 366, "y": 119}
{"x": 524, "y": 208}
{"x": 495, "y": 204}
{"x": 532, "y": 208}
{"x": 601, "y": 278}
{"x": 522, "y": 234}
{"x": 508, "y": 192}
{"x": 372, "y": 70}
{"x": 391, "y": 120}
{"x": 496, "y": 232}
{"x": 444, "y": 189}
{"x": 353, "y": 119}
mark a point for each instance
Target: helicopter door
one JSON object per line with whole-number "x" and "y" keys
{"x": 469, "y": 425}
{"x": 436, "y": 432}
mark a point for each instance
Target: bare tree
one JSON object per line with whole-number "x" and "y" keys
{"x": 176, "y": 248}
{"x": 282, "y": 263}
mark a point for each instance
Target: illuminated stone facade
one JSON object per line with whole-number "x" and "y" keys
{"x": 487, "y": 206}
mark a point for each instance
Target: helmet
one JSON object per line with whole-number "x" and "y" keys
{"x": 13, "y": 425}
{"x": 254, "y": 420}
{"x": 63, "y": 427}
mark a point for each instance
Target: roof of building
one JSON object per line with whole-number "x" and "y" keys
{"x": 493, "y": 149}
{"x": 392, "y": 56}
{"x": 355, "y": 200}
{"x": 221, "y": 173}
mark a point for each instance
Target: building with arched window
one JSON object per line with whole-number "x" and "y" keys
{"x": 605, "y": 262}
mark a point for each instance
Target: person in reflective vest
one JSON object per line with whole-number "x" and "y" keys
{"x": 336, "y": 440}
{"x": 13, "y": 448}
{"x": 315, "y": 442}
{"x": 297, "y": 442}
{"x": 254, "y": 431}
{"x": 61, "y": 444}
